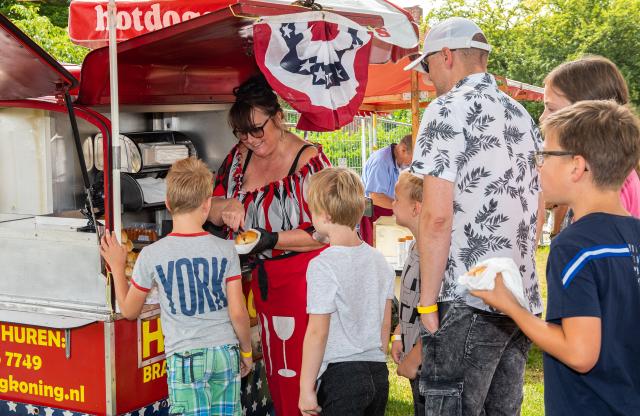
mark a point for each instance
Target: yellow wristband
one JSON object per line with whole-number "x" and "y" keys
{"x": 396, "y": 338}
{"x": 248, "y": 354}
{"x": 422, "y": 310}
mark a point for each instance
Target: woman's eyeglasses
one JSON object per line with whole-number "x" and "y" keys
{"x": 256, "y": 131}
{"x": 540, "y": 156}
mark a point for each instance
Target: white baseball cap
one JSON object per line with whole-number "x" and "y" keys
{"x": 452, "y": 33}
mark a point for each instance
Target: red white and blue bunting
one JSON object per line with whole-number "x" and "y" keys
{"x": 316, "y": 61}
{"x": 8, "y": 407}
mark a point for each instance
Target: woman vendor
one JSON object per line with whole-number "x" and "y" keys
{"x": 261, "y": 185}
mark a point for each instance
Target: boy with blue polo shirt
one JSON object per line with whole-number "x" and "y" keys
{"x": 590, "y": 337}
{"x": 202, "y": 308}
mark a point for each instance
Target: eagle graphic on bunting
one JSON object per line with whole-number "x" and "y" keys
{"x": 318, "y": 62}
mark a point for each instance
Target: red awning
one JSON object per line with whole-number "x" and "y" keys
{"x": 26, "y": 70}
{"x": 389, "y": 88}
{"x": 521, "y": 91}
{"x": 197, "y": 61}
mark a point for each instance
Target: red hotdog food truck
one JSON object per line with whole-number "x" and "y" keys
{"x": 64, "y": 348}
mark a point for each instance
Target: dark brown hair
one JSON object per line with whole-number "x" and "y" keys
{"x": 605, "y": 133}
{"x": 253, "y": 93}
{"x": 591, "y": 77}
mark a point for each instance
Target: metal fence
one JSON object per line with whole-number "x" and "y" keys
{"x": 352, "y": 145}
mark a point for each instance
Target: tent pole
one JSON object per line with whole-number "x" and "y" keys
{"x": 115, "y": 120}
{"x": 374, "y": 120}
{"x": 363, "y": 140}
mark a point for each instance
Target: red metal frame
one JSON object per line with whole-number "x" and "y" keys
{"x": 93, "y": 117}
{"x": 197, "y": 61}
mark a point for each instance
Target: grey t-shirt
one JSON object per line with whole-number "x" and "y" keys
{"x": 352, "y": 284}
{"x": 191, "y": 272}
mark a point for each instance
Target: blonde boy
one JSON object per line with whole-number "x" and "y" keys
{"x": 406, "y": 347}
{"x": 350, "y": 287}
{"x": 202, "y": 307}
{"x": 590, "y": 337}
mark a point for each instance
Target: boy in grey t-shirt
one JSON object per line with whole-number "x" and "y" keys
{"x": 202, "y": 308}
{"x": 349, "y": 292}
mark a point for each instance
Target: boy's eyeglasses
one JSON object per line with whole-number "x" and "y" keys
{"x": 540, "y": 156}
{"x": 256, "y": 131}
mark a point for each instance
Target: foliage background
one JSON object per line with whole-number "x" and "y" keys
{"x": 531, "y": 37}
{"x": 46, "y": 24}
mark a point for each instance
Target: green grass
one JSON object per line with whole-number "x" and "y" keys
{"x": 400, "y": 399}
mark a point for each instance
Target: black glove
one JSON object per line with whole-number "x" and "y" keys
{"x": 267, "y": 241}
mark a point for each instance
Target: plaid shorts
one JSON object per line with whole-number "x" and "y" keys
{"x": 205, "y": 381}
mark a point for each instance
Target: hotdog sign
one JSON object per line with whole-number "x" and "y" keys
{"x": 88, "y": 20}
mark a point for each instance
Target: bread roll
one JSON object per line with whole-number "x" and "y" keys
{"x": 128, "y": 271}
{"x": 129, "y": 245}
{"x": 476, "y": 271}
{"x": 246, "y": 237}
{"x": 123, "y": 237}
{"x": 131, "y": 257}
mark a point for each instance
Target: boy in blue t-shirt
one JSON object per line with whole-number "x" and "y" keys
{"x": 590, "y": 337}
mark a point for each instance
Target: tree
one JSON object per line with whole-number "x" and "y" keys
{"x": 531, "y": 37}
{"x": 56, "y": 10}
{"x": 53, "y": 39}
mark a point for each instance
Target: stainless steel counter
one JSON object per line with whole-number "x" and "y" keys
{"x": 49, "y": 268}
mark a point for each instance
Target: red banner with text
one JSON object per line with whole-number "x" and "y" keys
{"x": 88, "y": 22}
{"x": 53, "y": 367}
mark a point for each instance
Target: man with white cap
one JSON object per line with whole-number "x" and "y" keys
{"x": 475, "y": 148}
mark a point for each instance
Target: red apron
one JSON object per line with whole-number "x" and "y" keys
{"x": 284, "y": 319}
{"x": 366, "y": 224}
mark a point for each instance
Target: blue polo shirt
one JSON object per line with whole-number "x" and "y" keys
{"x": 380, "y": 172}
{"x": 593, "y": 270}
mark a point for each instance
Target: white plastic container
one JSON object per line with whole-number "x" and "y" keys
{"x": 408, "y": 241}
{"x": 402, "y": 251}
